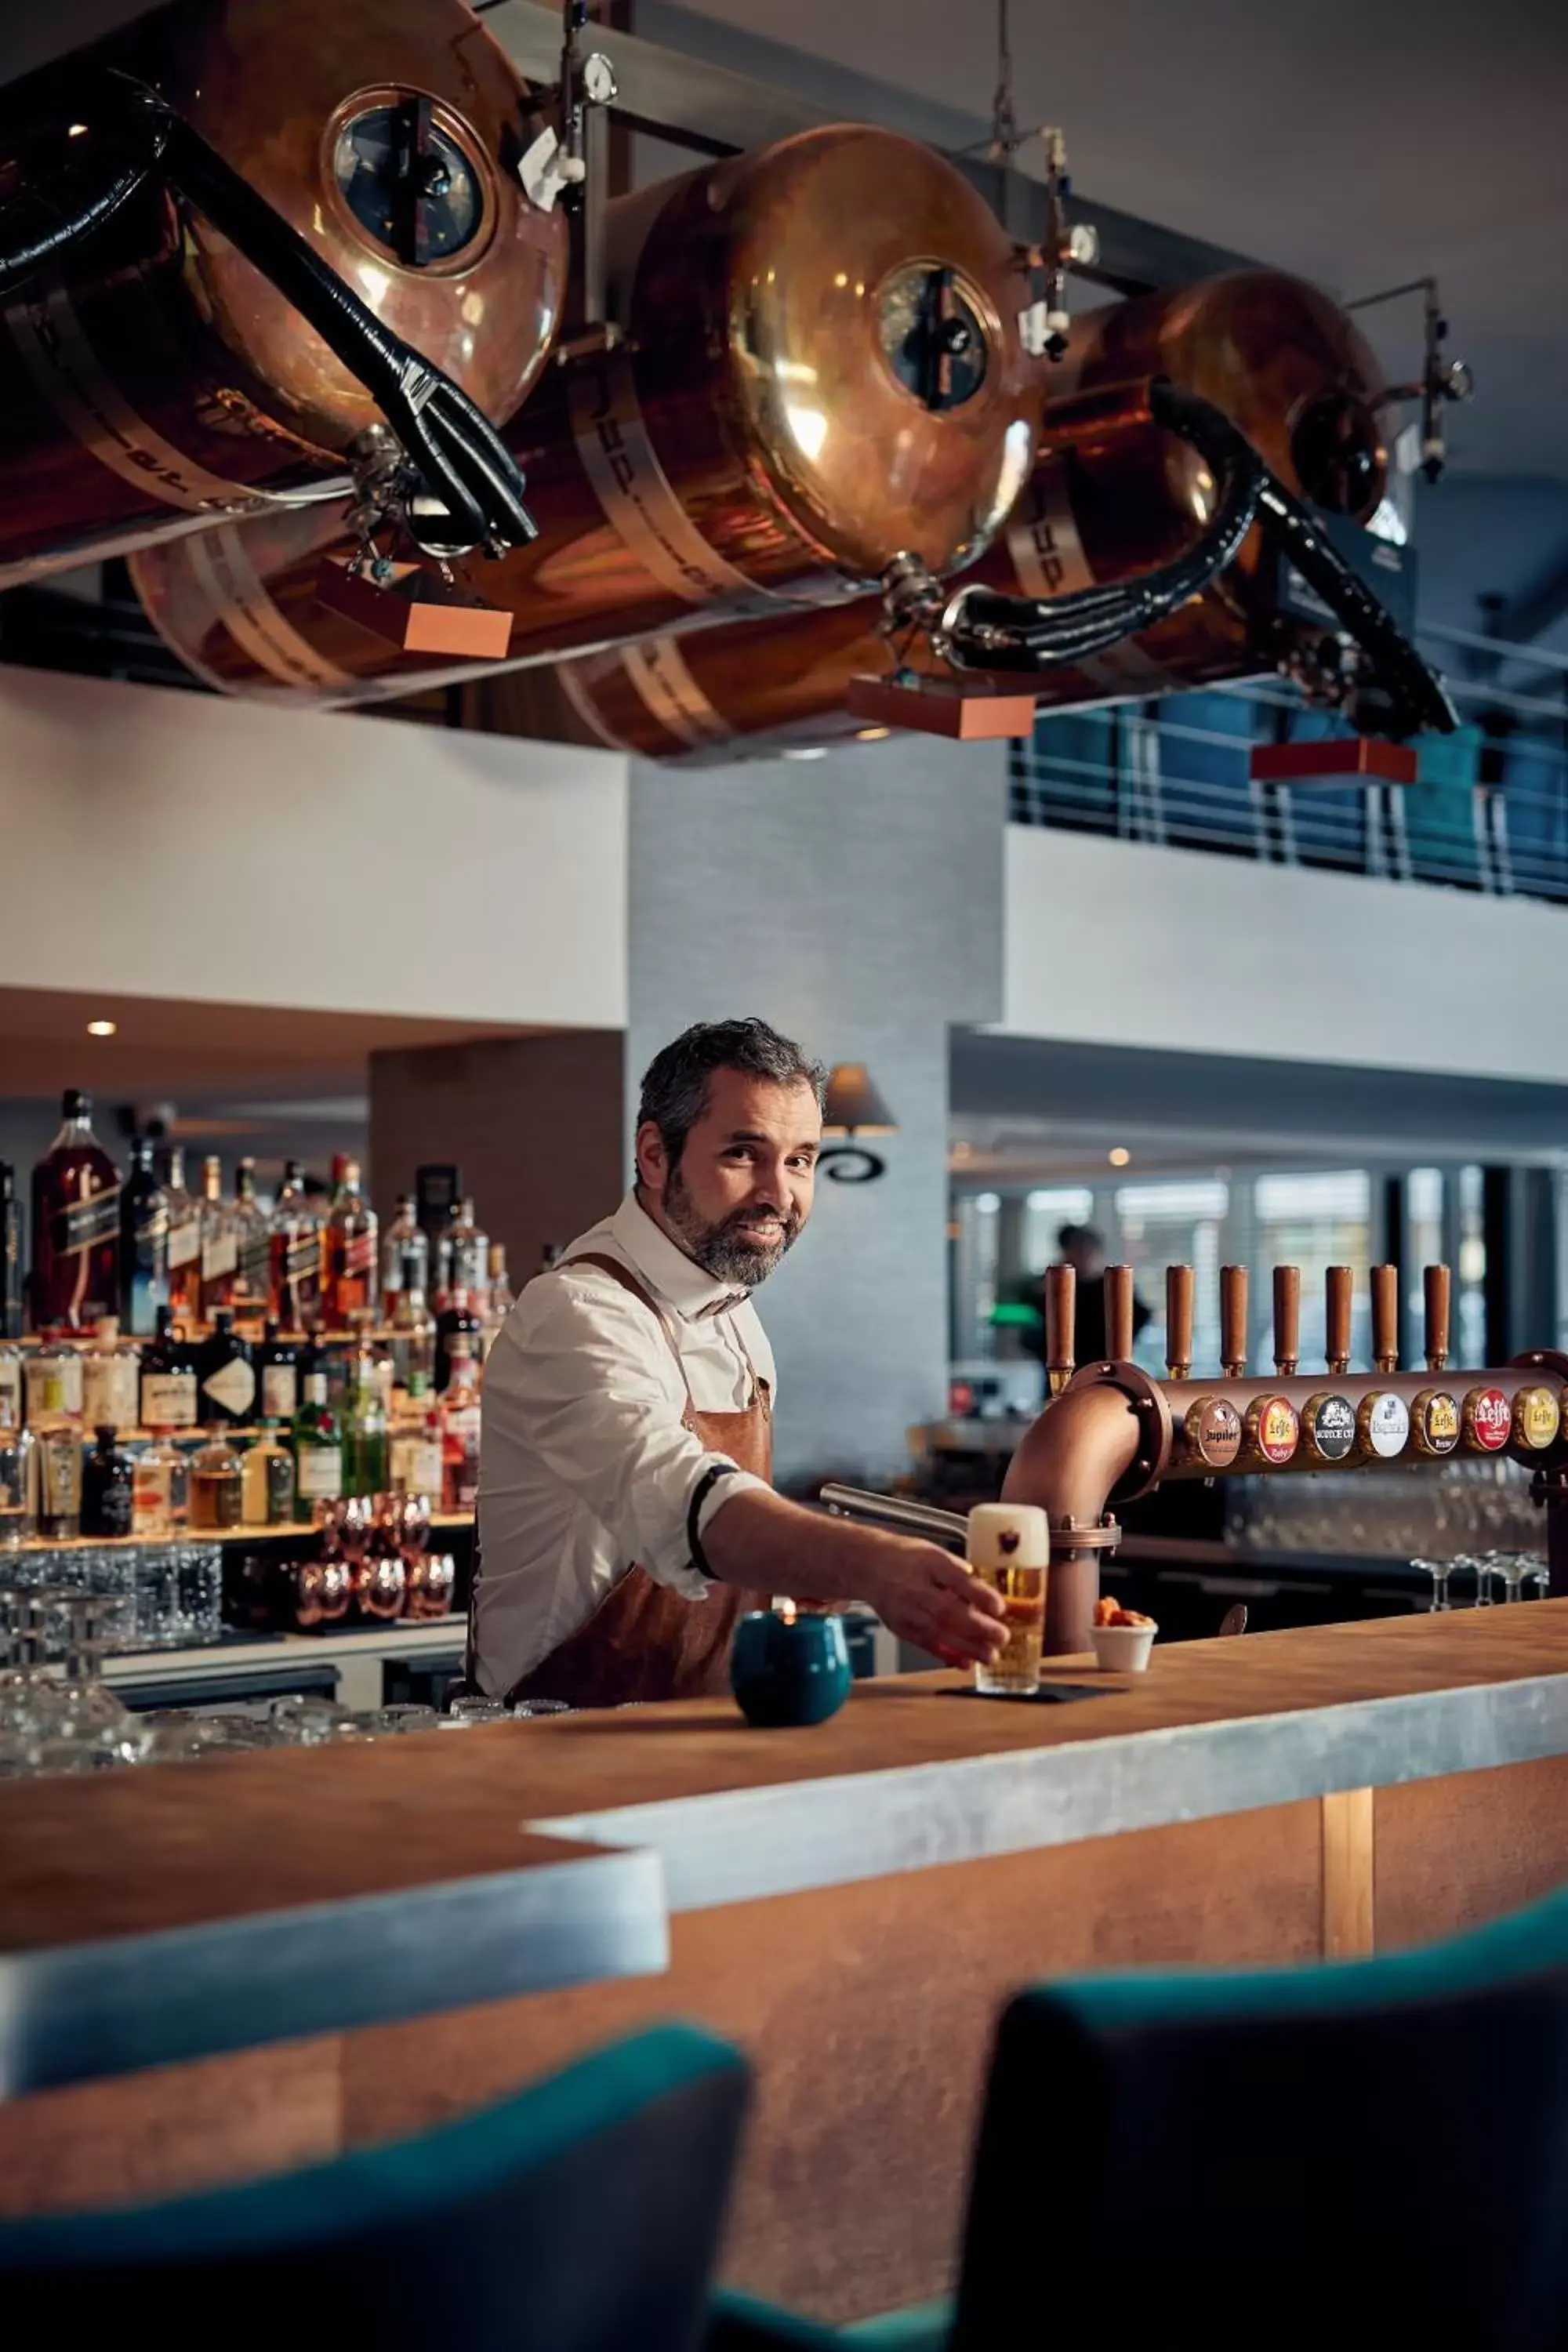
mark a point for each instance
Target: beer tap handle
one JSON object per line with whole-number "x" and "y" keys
{"x": 1337, "y": 1296}
{"x": 1435, "y": 1293}
{"x": 1178, "y": 1321}
{"x": 1385, "y": 1318}
{"x": 1233, "y": 1322}
{"x": 1287, "y": 1319}
{"x": 1061, "y": 1316}
{"x": 1119, "y": 1313}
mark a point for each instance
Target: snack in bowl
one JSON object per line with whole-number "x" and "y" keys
{"x": 1122, "y": 1637}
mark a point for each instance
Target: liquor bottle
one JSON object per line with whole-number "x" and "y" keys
{"x": 58, "y": 1460}
{"x": 10, "y": 1254}
{"x": 318, "y": 1448}
{"x": 415, "y": 1458}
{"x": 297, "y": 1269}
{"x": 277, "y": 1366}
{"x": 457, "y": 1320}
{"x": 462, "y": 1257}
{"x": 143, "y": 1245}
{"x": 501, "y": 1301}
{"x": 226, "y": 1375}
{"x": 403, "y": 1240}
{"x": 18, "y": 1478}
{"x": 220, "y": 1240}
{"x": 217, "y": 1486}
{"x": 460, "y": 1431}
{"x": 437, "y": 1187}
{"x": 51, "y": 1378}
{"x": 253, "y": 1252}
{"x": 111, "y": 1380}
{"x": 160, "y": 1489}
{"x": 351, "y": 1255}
{"x": 11, "y": 1386}
{"x": 413, "y": 1332}
{"x": 365, "y": 1434}
{"x": 184, "y": 1212}
{"x": 76, "y": 1224}
{"x": 106, "y": 1478}
{"x": 168, "y": 1378}
{"x": 267, "y": 1482}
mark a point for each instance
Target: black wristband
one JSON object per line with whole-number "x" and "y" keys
{"x": 700, "y": 1494}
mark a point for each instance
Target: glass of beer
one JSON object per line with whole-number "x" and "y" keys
{"x": 1009, "y": 1548}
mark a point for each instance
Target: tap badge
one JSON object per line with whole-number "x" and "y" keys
{"x": 1278, "y": 1427}
{"x": 1332, "y": 1426}
{"x": 1214, "y": 1432}
{"x": 1536, "y": 1418}
{"x": 1439, "y": 1420}
{"x": 1387, "y": 1424}
{"x": 1488, "y": 1420}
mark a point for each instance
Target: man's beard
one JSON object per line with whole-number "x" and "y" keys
{"x": 719, "y": 1249}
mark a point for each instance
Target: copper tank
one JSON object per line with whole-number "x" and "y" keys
{"x": 772, "y": 431}
{"x": 1277, "y": 356}
{"x": 155, "y": 376}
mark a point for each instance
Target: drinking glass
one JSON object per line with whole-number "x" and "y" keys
{"x": 303, "y": 1721}
{"x": 383, "y": 1722}
{"x": 31, "y": 1708}
{"x": 467, "y": 1710}
{"x": 1438, "y": 1571}
{"x": 92, "y": 1730}
{"x": 1540, "y": 1575}
{"x": 528, "y": 1707}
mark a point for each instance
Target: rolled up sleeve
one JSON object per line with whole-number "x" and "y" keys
{"x": 592, "y": 1388}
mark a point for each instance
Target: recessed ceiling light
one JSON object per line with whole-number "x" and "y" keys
{"x": 102, "y": 1028}
{"x": 1118, "y": 1155}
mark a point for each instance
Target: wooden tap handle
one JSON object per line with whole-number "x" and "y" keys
{"x": 1385, "y": 1318}
{"x": 1178, "y": 1321}
{"x": 1286, "y": 1317}
{"x": 1435, "y": 1289}
{"x": 1233, "y": 1322}
{"x": 1061, "y": 1316}
{"x": 1119, "y": 1313}
{"x": 1338, "y": 1291}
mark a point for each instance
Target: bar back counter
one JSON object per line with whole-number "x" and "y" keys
{"x": 214, "y": 1970}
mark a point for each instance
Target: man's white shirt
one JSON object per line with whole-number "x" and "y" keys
{"x": 585, "y": 1464}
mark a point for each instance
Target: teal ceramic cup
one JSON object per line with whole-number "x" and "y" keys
{"x": 789, "y": 1670}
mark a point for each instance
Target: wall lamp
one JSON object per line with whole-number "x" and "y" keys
{"x": 854, "y": 1108}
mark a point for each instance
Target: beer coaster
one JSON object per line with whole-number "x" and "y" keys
{"x": 1049, "y": 1694}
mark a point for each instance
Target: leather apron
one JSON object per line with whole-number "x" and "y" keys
{"x": 644, "y": 1642}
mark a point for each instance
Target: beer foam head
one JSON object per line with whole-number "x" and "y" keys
{"x": 1008, "y": 1535}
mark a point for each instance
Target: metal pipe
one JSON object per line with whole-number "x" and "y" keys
{"x": 1067, "y": 1462}
{"x": 895, "y": 1511}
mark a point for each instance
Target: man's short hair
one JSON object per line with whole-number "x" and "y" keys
{"x": 675, "y": 1083}
{"x": 1080, "y": 1238}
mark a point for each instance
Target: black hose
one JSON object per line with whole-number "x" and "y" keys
{"x": 989, "y": 630}
{"x": 466, "y": 467}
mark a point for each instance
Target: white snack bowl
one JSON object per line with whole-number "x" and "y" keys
{"x": 1122, "y": 1649}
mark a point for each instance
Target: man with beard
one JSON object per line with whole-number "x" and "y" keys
{"x": 625, "y": 1518}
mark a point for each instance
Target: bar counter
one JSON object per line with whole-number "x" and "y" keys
{"x": 446, "y": 1915}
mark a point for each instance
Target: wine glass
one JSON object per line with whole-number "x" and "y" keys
{"x": 1438, "y": 1571}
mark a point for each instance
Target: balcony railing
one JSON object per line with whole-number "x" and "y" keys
{"x": 1488, "y": 810}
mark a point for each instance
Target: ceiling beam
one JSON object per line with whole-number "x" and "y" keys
{"x": 720, "y": 112}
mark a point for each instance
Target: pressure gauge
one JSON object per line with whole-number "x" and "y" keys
{"x": 600, "y": 86}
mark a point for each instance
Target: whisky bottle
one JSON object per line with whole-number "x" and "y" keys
{"x": 296, "y": 1279}
{"x": 110, "y": 1379}
{"x": 457, "y": 1320}
{"x": 500, "y": 1302}
{"x": 405, "y": 1255}
{"x": 462, "y": 1258}
{"x": 317, "y": 1448}
{"x": 184, "y": 1215}
{"x": 106, "y": 1480}
{"x": 253, "y": 1250}
{"x": 220, "y": 1241}
{"x": 76, "y": 1225}
{"x": 351, "y": 1255}
{"x": 413, "y": 1332}
{"x": 216, "y": 1486}
{"x": 277, "y": 1366}
{"x": 460, "y": 1431}
{"x": 143, "y": 1245}
{"x": 18, "y": 1480}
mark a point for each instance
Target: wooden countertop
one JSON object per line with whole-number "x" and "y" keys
{"x": 921, "y": 1773}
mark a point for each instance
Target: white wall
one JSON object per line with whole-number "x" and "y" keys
{"x": 1110, "y": 942}
{"x": 162, "y": 844}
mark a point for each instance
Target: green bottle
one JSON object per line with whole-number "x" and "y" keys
{"x": 365, "y": 1434}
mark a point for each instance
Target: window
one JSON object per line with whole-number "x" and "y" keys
{"x": 1312, "y": 1221}
{"x": 1176, "y": 1222}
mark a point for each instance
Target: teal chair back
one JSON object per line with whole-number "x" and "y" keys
{"x": 583, "y": 2215}
{"x": 1367, "y": 2154}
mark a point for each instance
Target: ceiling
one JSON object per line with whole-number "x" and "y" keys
{"x": 165, "y": 1049}
{"x": 1360, "y": 142}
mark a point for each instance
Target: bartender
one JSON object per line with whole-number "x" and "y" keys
{"x": 627, "y": 1520}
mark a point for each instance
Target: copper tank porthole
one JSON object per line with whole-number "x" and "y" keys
{"x": 933, "y": 333}
{"x": 408, "y": 179}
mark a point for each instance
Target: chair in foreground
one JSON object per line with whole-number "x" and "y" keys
{"x": 581, "y": 2215}
{"x": 1371, "y": 2153}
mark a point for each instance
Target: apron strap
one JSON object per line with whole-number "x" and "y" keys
{"x": 628, "y": 1281}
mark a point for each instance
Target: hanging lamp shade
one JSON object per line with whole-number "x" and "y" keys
{"x": 854, "y": 1105}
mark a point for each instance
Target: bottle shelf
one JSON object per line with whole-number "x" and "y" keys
{"x": 261, "y": 1532}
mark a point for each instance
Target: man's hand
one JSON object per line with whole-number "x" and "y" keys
{"x": 927, "y": 1598}
{"x": 918, "y": 1590}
